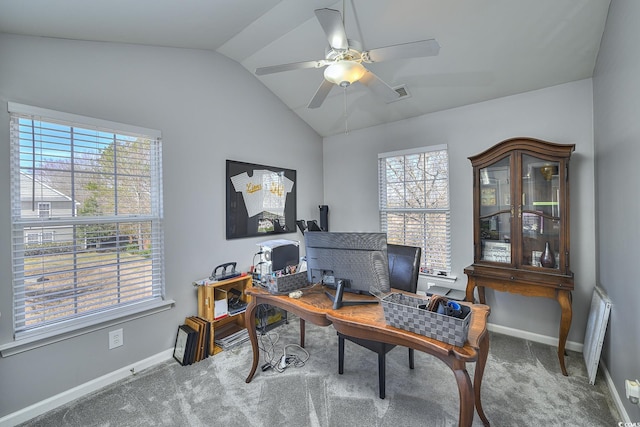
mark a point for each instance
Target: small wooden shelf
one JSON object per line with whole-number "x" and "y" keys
{"x": 229, "y": 324}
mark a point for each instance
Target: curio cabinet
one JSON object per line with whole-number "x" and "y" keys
{"x": 521, "y": 224}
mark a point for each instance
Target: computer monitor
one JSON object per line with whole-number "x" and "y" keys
{"x": 349, "y": 262}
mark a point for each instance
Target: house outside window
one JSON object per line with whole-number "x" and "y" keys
{"x": 103, "y": 180}
{"x": 414, "y": 203}
{"x": 44, "y": 210}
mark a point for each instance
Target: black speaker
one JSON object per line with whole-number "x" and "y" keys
{"x": 324, "y": 217}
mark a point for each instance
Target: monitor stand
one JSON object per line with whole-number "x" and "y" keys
{"x": 337, "y": 299}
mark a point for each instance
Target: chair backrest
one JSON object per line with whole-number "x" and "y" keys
{"x": 404, "y": 266}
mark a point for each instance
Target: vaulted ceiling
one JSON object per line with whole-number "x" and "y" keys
{"x": 488, "y": 48}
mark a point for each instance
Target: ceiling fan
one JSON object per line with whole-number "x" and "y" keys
{"x": 344, "y": 58}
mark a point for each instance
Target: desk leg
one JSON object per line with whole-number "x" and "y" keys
{"x": 465, "y": 389}
{"x": 483, "y": 354}
{"x": 302, "y": 330}
{"x": 564, "y": 299}
{"x": 250, "y": 324}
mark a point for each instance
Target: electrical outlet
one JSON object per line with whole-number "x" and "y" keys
{"x": 632, "y": 389}
{"x": 116, "y": 338}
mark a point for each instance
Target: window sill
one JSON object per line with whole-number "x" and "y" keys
{"x": 34, "y": 341}
{"x": 448, "y": 279}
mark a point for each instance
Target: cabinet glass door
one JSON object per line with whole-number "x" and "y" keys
{"x": 495, "y": 212}
{"x": 540, "y": 212}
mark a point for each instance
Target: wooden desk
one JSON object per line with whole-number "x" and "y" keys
{"x": 367, "y": 321}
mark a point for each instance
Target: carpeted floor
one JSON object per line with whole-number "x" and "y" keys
{"x": 522, "y": 386}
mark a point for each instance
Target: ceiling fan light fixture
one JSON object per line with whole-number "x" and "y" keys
{"x": 343, "y": 73}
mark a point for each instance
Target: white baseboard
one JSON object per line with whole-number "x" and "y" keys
{"x": 543, "y": 339}
{"x": 67, "y": 396}
{"x": 614, "y": 393}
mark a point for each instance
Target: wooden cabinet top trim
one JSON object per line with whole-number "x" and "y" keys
{"x": 532, "y": 145}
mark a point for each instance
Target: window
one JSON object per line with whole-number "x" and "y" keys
{"x": 44, "y": 210}
{"x": 104, "y": 181}
{"x": 414, "y": 203}
{"x": 47, "y": 236}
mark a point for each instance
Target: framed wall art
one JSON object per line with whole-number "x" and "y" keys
{"x": 261, "y": 200}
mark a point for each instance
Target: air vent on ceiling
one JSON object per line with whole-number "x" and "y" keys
{"x": 402, "y": 91}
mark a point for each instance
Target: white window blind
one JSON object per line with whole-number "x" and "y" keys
{"x": 100, "y": 250}
{"x": 414, "y": 203}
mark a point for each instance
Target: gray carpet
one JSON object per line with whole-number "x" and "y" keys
{"x": 522, "y": 386}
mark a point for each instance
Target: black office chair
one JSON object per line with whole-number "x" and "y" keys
{"x": 404, "y": 267}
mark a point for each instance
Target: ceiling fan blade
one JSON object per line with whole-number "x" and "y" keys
{"x": 379, "y": 87}
{"x": 331, "y": 22}
{"x": 321, "y": 94}
{"x": 292, "y": 66}
{"x": 406, "y": 50}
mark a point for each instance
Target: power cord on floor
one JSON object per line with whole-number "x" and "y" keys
{"x": 279, "y": 362}
{"x": 267, "y": 349}
{"x": 292, "y": 359}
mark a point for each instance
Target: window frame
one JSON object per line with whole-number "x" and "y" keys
{"x": 32, "y": 337}
{"x": 444, "y": 271}
{"x": 41, "y": 210}
{"x": 47, "y": 237}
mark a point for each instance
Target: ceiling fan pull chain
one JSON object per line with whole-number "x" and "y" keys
{"x": 344, "y": 12}
{"x": 346, "y": 119}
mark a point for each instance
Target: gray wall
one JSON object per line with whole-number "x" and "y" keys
{"x": 616, "y": 90}
{"x": 561, "y": 114}
{"x": 209, "y": 109}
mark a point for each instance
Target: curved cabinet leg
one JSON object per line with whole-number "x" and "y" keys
{"x": 564, "y": 299}
{"x": 481, "y": 298}
{"x": 471, "y": 285}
